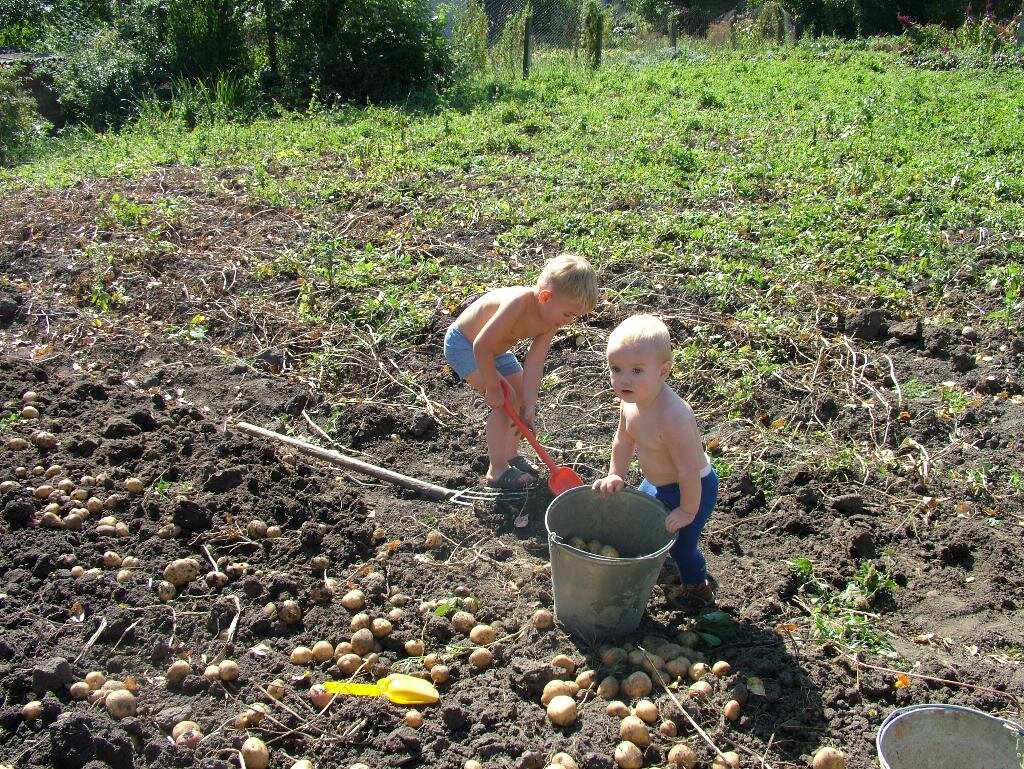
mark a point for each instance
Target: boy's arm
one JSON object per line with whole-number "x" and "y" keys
{"x": 687, "y": 454}
{"x": 486, "y": 348}
{"x": 533, "y": 372}
{"x": 623, "y": 448}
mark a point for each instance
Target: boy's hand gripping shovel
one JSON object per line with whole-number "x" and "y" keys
{"x": 397, "y": 687}
{"x": 561, "y": 479}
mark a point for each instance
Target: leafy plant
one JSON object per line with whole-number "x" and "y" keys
{"x": 841, "y": 615}
{"x": 20, "y": 122}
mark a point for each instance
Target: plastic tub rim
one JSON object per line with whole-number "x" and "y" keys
{"x": 899, "y": 713}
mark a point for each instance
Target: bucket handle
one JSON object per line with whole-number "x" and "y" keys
{"x": 1011, "y": 725}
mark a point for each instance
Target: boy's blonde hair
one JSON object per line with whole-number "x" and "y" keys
{"x": 643, "y": 331}
{"x": 571, "y": 276}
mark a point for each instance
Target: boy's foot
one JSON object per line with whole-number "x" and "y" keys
{"x": 521, "y": 463}
{"x": 512, "y": 479}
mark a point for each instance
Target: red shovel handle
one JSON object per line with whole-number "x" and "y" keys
{"x": 527, "y": 433}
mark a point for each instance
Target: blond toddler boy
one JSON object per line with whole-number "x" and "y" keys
{"x": 659, "y": 427}
{"x": 477, "y": 346}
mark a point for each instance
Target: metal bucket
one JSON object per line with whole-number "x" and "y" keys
{"x": 597, "y": 596}
{"x": 932, "y": 735}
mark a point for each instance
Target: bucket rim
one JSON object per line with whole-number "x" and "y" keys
{"x": 553, "y": 538}
{"x": 890, "y": 720}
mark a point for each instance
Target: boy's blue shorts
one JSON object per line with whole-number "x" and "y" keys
{"x": 458, "y": 351}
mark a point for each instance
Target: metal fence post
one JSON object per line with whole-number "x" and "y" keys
{"x": 527, "y": 45}
{"x": 599, "y": 41}
{"x": 673, "y": 29}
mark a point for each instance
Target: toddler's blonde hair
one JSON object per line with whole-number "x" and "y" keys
{"x": 571, "y": 276}
{"x": 643, "y": 331}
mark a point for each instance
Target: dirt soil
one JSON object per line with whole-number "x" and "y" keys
{"x": 147, "y": 386}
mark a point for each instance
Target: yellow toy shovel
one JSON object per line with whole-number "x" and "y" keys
{"x": 397, "y": 687}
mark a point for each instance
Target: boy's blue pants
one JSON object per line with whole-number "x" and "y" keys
{"x": 693, "y": 568}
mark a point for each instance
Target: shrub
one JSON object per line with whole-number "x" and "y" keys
{"x": 20, "y": 122}
{"x": 21, "y": 23}
{"x": 469, "y": 40}
{"x": 100, "y": 68}
{"x": 363, "y": 49}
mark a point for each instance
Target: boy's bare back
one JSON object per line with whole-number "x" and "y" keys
{"x": 509, "y": 315}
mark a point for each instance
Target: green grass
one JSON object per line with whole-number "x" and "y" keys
{"x": 774, "y": 173}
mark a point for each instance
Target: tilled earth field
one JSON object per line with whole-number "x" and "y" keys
{"x": 850, "y": 583}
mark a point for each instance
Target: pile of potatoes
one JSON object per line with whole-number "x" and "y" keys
{"x": 595, "y": 546}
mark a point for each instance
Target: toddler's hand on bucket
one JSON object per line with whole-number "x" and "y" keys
{"x": 609, "y": 484}
{"x": 677, "y": 520}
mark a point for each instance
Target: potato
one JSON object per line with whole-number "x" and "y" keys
{"x": 319, "y": 696}
{"x": 360, "y": 621}
{"x": 79, "y": 690}
{"x": 563, "y": 760}
{"x": 380, "y": 627}
{"x": 578, "y": 542}
{"x": 177, "y": 671}
{"x": 349, "y": 663}
{"x": 353, "y": 600}
{"x": 732, "y": 710}
{"x": 276, "y": 689}
{"x": 322, "y": 651}
{"x": 698, "y": 670}
{"x": 256, "y": 529}
{"x": 728, "y": 760}
{"x": 302, "y": 763}
{"x": 211, "y": 673}
{"x": 433, "y": 540}
{"x": 628, "y": 756}
{"x": 635, "y": 657}
{"x": 668, "y": 728}
{"x": 585, "y": 679}
{"x": 612, "y": 656}
{"x": 647, "y": 711}
{"x": 431, "y": 659}
{"x": 635, "y": 730}
{"x": 289, "y": 612}
{"x": 609, "y": 688}
{"x": 481, "y": 658}
{"x": 682, "y": 755}
{"x": 216, "y": 579}
{"x": 470, "y": 764}
{"x": 301, "y": 655}
{"x": 482, "y": 634}
{"x": 562, "y": 710}
{"x": 32, "y": 710}
{"x": 120, "y": 704}
{"x": 273, "y": 532}
{"x": 414, "y": 647}
{"x": 617, "y": 709}
{"x": 181, "y": 571}
{"x": 184, "y": 726}
{"x": 95, "y": 679}
{"x": 463, "y": 621}
{"x": 543, "y": 619}
{"x": 652, "y": 663}
{"x": 29, "y": 412}
{"x": 565, "y": 662}
{"x": 229, "y": 670}
{"x": 362, "y": 641}
{"x": 721, "y": 668}
{"x": 637, "y": 685}
{"x": 134, "y": 486}
{"x": 439, "y": 674}
{"x": 688, "y": 639}
{"x": 413, "y": 719}
{"x": 396, "y": 615}
{"x": 594, "y": 546}
{"x": 829, "y": 758}
{"x": 29, "y": 396}
{"x": 553, "y": 689}
{"x": 701, "y": 690}
{"x": 255, "y": 753}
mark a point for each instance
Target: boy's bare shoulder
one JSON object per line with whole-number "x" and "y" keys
{"x": 677, "y": 412}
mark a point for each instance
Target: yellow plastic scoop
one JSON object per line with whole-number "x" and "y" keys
{"x": 397, "y": 687}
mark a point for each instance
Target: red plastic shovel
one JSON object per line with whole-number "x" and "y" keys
{"x": 561, "y": 479}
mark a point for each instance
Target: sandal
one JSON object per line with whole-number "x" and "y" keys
{"x": 512, "y": 479}
{"x": 521, "y": 463}
{"x": 691, "y": 599}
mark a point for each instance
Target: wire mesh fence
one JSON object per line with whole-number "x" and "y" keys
{"x": 511, "y": 38}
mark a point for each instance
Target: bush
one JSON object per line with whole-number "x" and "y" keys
{"x": 363, "y": 49}
{"x": 99, "y": 69}
{"x": 469, "y": 40}
{"x": 20, "y": 122}
{"x": 22, "y": 24}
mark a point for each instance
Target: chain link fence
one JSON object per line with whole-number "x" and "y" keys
{"x": 522, "y": 35}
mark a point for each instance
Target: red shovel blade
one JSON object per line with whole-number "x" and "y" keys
{"x": 563, "y": 479}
